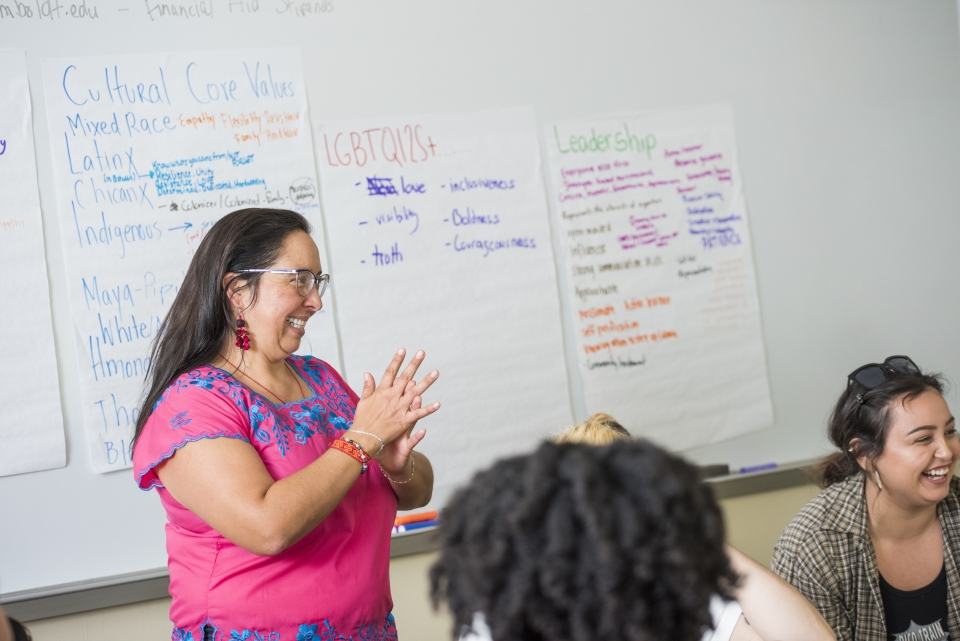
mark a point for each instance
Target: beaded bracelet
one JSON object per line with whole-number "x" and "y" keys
{"x": 382, "y": 443}
{"x": 366, "y": 457}
{"x": 350, "y": 448}
{"x": 413, "y": 468}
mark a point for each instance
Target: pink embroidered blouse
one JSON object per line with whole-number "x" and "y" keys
{"x": 333, "y": 585}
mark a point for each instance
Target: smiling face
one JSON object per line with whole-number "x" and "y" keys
{"x": 276, "y": 321}
{"x": 921, "y": 451}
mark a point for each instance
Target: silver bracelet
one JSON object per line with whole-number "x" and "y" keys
{"x": 382, "y": 444}
{"x": 413, "y": 468}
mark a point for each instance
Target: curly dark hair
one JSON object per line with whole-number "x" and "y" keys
{"x": 577, "y": 543}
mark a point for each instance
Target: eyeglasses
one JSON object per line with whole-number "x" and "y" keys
{"x": 306, "y": 279}
{"x": 876, "y": 373}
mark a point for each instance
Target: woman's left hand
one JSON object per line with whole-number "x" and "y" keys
{"x": 395, "y": 459}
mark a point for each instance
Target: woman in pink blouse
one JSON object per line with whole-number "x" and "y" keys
{"x": 280, "y": 484}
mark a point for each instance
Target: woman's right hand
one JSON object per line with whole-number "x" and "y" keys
{"x": 393, "y": 407}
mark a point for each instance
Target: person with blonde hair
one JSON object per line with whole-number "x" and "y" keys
{"x": 599, "y": 429}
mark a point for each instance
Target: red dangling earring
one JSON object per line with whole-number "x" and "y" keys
{"x": 243, "y": 339}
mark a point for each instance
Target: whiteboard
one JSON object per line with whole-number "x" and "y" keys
{"x": 847, "y": 117}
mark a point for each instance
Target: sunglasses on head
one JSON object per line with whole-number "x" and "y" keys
{"x": 874, "y": 374}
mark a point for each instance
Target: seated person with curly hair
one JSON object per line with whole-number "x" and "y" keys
{"x": 619, "y": 542}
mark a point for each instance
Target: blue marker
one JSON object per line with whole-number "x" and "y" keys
{"x": 758, "y": 468}
{"x": 409, "y": 527}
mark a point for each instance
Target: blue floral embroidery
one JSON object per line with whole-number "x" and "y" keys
{"x": 256, "y": 418}
{"x": 339, "y": 424}
{"x": 203, "y": 380}
{"x": 326, "y": 416}
{"x": 328, "y": 411}
{"x": 385, "y": 630}
{"x": 313, "y": 632}
{"x": 335, "y": 397}
{"x": 213, "y": 379}
{"x": 281, "y": 432}
{"x": 382, "y": 631}
{"x": 329, "y": 633}
{"x": 303, "y": 433}
{"x": 179, "y": 420}
{"x": 309, "y": 414}
{"x": 307, "y": 632}
{"x": 253, "y": 635}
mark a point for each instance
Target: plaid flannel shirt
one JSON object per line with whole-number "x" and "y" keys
{"x": 826, "y": 553}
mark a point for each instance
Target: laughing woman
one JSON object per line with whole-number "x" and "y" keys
{"x": 877, "y": 551}
{"x": 280, "y": 484}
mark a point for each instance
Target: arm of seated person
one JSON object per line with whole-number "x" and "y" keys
{"x": 744, "y": 632}
{"x": 772, "y": 608}
{"x": 224, "y": 482}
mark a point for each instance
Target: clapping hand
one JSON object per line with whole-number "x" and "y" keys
{"x": 390, "y": 411}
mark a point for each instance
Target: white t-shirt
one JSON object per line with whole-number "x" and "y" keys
{"x": 725, "y": 616}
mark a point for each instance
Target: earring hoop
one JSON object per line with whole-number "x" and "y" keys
{"x": 876, "y": 475}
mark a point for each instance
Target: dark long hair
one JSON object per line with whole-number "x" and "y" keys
{"x": 200, "y": 320}
{"x": 868, "y": 421}
{"x": 577, "y": 542}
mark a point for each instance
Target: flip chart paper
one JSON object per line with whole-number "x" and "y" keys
{"x": 31, "y": 429}
{"x": 149, "y": 152}
{"x": 658, "y": 266}
{"x": 440, "y": 241}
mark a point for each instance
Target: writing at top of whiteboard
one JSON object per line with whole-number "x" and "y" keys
{"x": 143, "y": 13}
